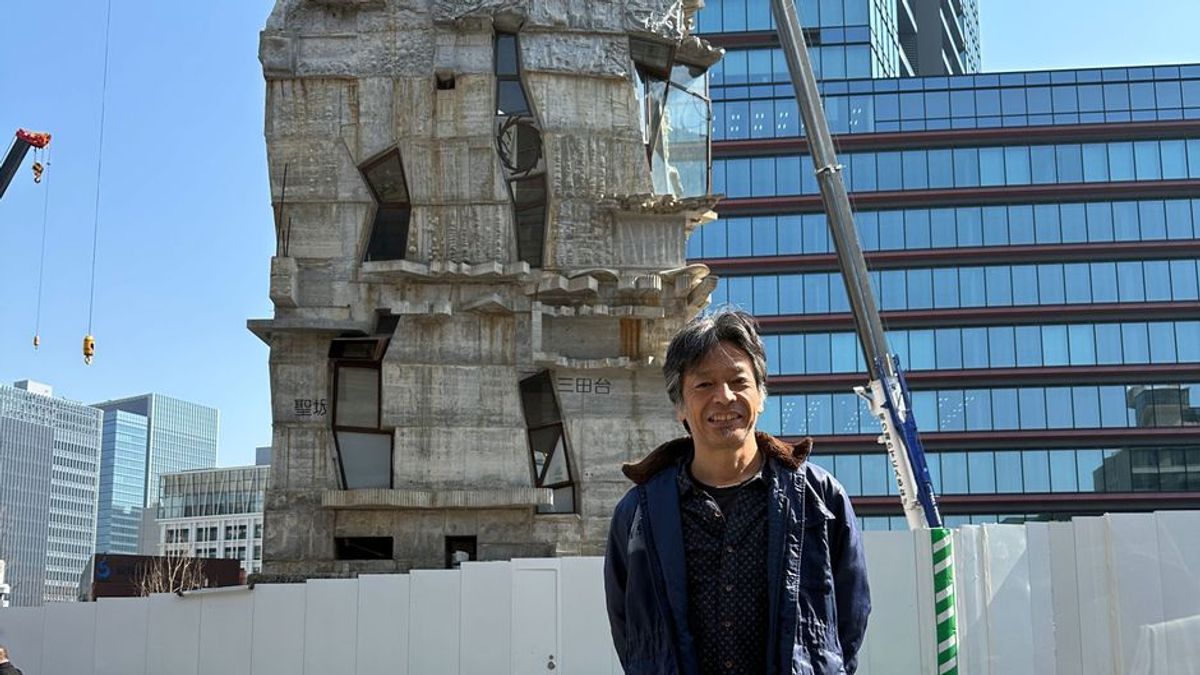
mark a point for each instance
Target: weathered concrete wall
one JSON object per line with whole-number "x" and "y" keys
{"x": 352, "y": 80}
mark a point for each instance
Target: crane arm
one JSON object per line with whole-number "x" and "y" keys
{"x": 887, "y": 393}
{"x": 16, "y": 154}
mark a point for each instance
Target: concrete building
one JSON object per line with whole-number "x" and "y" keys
{"x": 1035, "y": 238}
{"x": 214, "y": 513}
{"x": 49, "y": 474}
{"x": 145, "y": 437}
{"x": 480, "y": 258}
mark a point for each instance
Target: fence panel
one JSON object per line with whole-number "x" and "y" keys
{"x": 535, "y": 616}
{"x": 226, "y": 631}
{"x": 1006, "y": 570}
{"x": 21, "y": 631}
{"x": 279, "y": 611}
{"x": 331, "y": 622}
{"x": 434, "y": 610}
{"x": 893, "y": 635}
{"x": 1179, "y": 562}
{"x": 1097, "y": 639}
{"x": 1041, "y": 597}
{"x": 1133, "y": 543}
{"x": 1064, "y": 585}
{"x": 486, "y": 617}
{"x": 586, "y": 641}
{"x": 383, "y": 624}
{"x": 971, "y": 593}
{"x": 173, "y": 635}
{"x": 121, "y": 628}
{"x": 72, "y": 647}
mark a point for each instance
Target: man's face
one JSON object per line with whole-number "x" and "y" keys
{"x": 721, "y": 400}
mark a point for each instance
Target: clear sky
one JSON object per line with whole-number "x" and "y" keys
{"x": 185, "y": 219}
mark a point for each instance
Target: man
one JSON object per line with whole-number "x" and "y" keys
{"x": 6, "y": 666}
{"x": 732, "y": 554}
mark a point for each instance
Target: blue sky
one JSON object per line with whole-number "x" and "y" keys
{"x": 185, "y": 219}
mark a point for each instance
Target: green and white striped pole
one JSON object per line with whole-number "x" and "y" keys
{"x": 942, "y": 541}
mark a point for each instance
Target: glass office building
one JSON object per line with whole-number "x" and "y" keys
{"x": 122, "y": 482}
{"x": 178, "y": 436}
{"x": 49, "y": 473}
{"x": 1034, "y": 241}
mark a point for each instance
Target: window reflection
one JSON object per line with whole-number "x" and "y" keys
{"x": 997, "y": 346}
{"x": 1031, "y": 471}
{"x": 1126, "y": 281}
{"x": 910, "y": 229}
{"x": 1045, "y": 164}
{"x": 1025, "y": 408}
{"x": 928, "y": 105}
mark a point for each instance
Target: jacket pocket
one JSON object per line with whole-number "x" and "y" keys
{"x": 818, "y": 649}
{"x": 816, "y": 566}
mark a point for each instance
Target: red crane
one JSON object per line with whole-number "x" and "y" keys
{"x": 16, "y": 154}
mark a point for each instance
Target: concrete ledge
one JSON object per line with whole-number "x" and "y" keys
{"x": 392, "y": 270}
{"x": 378, "y": 498}
{"x": 263, "y": 328}
{"x": 659, "y": 204}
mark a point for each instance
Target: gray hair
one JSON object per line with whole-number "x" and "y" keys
{"x": 704, "y": 332}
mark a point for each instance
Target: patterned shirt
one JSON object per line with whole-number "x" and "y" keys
{"x": 726, "y": 558}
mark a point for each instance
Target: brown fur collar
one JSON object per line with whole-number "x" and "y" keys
{"x": 791, "y": 456}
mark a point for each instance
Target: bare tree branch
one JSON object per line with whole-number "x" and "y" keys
{"x": 172, "y": 572}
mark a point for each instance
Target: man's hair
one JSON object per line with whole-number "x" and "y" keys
{"x": 704, "y": 332}
{"x": 3, "y": 653}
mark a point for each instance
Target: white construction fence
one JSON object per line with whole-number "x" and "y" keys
{"x": 1097, "y": 596}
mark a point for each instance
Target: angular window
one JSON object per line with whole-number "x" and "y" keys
{"x": 548, "y": 447}
{"x": 519, "y": 143}
{"x": 389, "y": 228}
{"x": 364, "y": 448}
{"x": 676, "y": 119}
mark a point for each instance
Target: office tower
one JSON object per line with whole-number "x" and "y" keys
{"x": 49, "y": 473}
{"x": 174, "y": 435}
{"x": 1033, "y": 238}
{"x": 122, "y": 482}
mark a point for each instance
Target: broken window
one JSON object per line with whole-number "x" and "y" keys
{"x": 548, "y": 447}
{"x": 676, "y": 120}
{"x": 389, "y": 228}
{"x": 364, "y": 448}
{"x": 519, "y": 143}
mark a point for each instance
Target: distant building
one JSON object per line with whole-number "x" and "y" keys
{"x": 122, "y": 481}
{"x": 49, "y": 473}
{"x": 214, "y": 513}
{"x": 146, "y": 437}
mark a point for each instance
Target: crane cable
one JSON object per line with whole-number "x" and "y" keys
{"x": 89, "y": 342}
{"x": 37, "y": 326}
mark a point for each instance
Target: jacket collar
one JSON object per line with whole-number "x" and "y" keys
{"x": 669, "y": 453}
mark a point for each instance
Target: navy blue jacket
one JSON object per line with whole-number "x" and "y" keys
{"x": 816, "y": 573}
